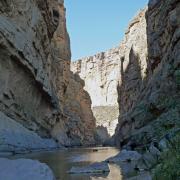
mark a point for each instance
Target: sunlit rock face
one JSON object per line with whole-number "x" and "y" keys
{"x": 102, "y": 74}
{"x": 149, "y": 89}
{"x": 35, "y": 69}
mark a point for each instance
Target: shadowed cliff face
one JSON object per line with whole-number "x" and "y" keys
{"x": 154, "y": 111}
{"x": 80, "y": 122}
{"x": 35, "y": 69}
{"x": 142, "y": 74}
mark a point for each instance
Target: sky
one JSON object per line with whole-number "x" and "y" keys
{"x": 98, "y": 25}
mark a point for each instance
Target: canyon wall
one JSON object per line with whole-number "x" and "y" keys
{"x": 150, "y": 101}
{"x": 35, "y": 77}
{"x": 100, "y": 74}
{"x": 103, "y": 73}
{"x": 138, "y": 80}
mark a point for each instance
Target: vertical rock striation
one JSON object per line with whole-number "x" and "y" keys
{"x": 151, "y": 106}
{"x": 35, "y": 70}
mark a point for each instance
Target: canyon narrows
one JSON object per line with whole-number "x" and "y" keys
{"x": 102, "y": 74}
{"x": 127, "y": 96}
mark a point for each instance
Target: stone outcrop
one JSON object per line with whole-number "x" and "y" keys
{"x": 24, "y": 169}
{"x": 35, "y": 71}
{"x": 149, "y": 93}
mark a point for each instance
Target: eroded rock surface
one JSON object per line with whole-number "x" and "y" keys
{"x": 35, "y": 72}
{"x": 154, "y": 110}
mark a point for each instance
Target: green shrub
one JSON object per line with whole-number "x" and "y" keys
{"x": 169, "y": 163}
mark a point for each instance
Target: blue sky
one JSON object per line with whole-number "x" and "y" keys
{"x": 98, "y": 25}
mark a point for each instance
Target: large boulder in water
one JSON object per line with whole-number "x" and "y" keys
{"x": 95, "y": 168}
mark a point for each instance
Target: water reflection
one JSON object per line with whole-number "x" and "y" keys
{"x": 115, "y": 174}
{"x": 62, "y": 161}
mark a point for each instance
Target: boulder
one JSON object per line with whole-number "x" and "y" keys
{"x": 96, "y": 168}
{"x": 125, "y": 155}
{"x": 24, "y": 169}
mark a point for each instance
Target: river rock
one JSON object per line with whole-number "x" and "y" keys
{"x": 125, "y": 155}
{"x": 96, "y": 168}
{"x": 24, "y": 169}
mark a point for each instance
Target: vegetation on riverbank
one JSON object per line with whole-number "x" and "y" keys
{"x": 169, "y": 162}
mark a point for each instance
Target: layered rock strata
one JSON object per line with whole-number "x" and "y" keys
{"x": 100, "y": 74}
{"x": 150, "y": 102}
{"x": 142, "y": 74}
{"x": 35, "y": 72}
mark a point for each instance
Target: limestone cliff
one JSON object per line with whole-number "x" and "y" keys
{"x": 102, "y": 74}
{"x": 149, "y": 99}
{"x": 35, "y": 71}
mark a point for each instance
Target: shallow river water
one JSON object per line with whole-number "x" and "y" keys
{"x": 62, "y": 160}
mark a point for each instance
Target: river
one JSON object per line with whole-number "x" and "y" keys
{"x": 62, "y": 160}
